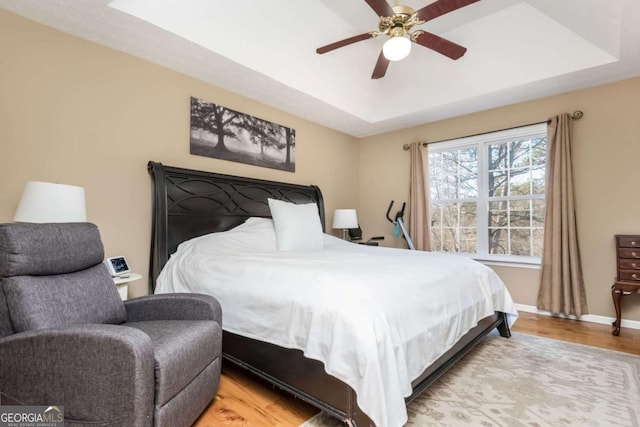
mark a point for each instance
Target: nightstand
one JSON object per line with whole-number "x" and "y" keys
{"x": 371, "y": 242}
{"x": 122, "y": 283}
{"x": 628, "y": 269}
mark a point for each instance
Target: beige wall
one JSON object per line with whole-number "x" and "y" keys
{"x": 77, "y": 113}
{"x": 606, "y": 150}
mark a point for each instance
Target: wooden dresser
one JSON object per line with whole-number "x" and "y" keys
{"x": 628, "y": 268}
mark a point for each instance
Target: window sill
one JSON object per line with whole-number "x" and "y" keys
{"x": 515, "y": 264}
{"x": 522, "y": 262}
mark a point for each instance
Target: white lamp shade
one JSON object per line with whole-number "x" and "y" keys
{"x": 396, "y": 48}
{"x": 345, "y": 218}
{"x": 48, "y": 202}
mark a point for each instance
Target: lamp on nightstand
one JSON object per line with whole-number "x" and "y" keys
{"x": 345, "y": 219}
{"x": 48, "y": 202}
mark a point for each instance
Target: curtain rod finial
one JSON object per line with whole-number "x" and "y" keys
{"x": 577, "y": 115}
{"x": 406, "y": 147}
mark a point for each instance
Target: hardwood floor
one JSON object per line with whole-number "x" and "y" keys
{"x": 586, "y": 333}
{"x": 244, "y": 401}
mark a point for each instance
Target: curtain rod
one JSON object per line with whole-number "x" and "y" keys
{"x": 576, "y": 115}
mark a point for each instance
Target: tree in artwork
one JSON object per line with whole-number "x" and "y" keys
{"x": 220, "y": 132}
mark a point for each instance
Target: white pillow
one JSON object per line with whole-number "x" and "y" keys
{"x": 297, "y": 226}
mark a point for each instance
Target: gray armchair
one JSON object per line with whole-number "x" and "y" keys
{"x": 67, "y": 339}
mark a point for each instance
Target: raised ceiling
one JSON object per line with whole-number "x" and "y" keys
{"x": 265, "y": 50}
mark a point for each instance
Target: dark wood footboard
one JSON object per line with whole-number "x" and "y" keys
{"x": 306, "y": 378}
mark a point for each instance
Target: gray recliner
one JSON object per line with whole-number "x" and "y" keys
{"x": 67, "y": 339}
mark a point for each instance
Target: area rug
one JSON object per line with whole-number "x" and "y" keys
{"x": 529, "y": 381}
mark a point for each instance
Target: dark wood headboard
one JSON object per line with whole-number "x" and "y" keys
{"x": 189, "y": 203}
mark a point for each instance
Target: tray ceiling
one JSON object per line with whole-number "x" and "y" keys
{"x": 265, "y": 50}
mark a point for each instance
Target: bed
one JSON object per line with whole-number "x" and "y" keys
{"x": 191, "y": 205}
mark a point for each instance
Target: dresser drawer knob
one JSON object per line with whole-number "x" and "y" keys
{"x": 633, "y": 254}
{"x": 634, "y": 265}
{"x": 635, "y": 276}
{"x": 633, "y": 243}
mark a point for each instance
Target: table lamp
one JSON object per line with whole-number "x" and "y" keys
{"x": 345, "y": 219}
{"x": 49, "y": 202}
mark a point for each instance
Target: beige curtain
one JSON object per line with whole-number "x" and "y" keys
{"x": 418, "y": 198}
{"x": 561, "y": 283}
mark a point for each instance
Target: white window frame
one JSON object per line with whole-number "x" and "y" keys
{"x": 482, "y": 209}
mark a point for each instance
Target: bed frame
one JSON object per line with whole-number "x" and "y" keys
{"x": 189, "y": 203}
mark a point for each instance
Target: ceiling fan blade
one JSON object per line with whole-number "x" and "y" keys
{"x": 440, "y": 45}
{"x": 381, "y": 7}
{"x": 345, "y": 42}
{"x": 381, "y": 67}
{"x": 440, "y": 8}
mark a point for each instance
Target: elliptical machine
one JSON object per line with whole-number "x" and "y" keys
{"x": 399, "y": 223}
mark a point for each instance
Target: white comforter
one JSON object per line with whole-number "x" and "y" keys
{"x": 376, "y": 317}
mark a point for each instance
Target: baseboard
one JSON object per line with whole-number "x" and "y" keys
{"x": 633, "y": 324}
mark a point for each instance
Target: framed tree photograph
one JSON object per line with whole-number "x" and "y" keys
{"x": 222, "y": 133}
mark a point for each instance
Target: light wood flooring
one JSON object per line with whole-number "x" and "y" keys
{"x": 244, "y": 401}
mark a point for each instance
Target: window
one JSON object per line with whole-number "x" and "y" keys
{"x": 487, "y": 194}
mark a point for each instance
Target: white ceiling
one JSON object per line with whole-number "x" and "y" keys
{"x": 265, "y": 50}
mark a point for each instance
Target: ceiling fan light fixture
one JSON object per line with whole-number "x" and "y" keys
{"x": 397, "y": 24}
{"x": 396, "y": 48}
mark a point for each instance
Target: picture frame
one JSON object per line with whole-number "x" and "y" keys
{"x": 226, "y": 134}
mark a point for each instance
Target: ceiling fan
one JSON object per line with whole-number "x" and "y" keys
{"x": 396, "y": 22}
